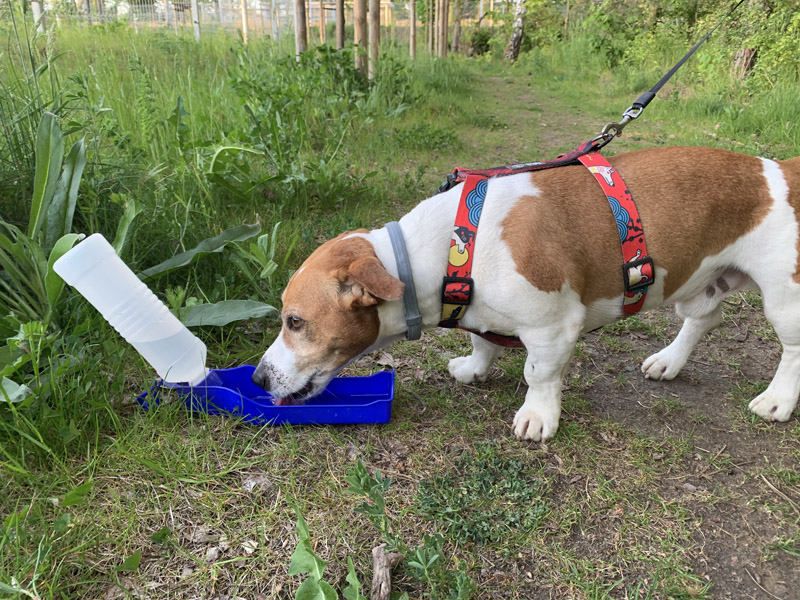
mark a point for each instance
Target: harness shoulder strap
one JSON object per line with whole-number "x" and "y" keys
{"x": 458, "y": 284}
{"x": 638, "y": 272}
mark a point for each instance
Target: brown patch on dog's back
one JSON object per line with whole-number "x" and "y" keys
{"x": 791, "y": 172}
{"x": 693, "y": 202}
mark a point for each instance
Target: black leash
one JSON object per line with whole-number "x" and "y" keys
{"x": 612, "y": 130}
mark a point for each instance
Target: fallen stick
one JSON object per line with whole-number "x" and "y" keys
{"x": 382, "y": 564}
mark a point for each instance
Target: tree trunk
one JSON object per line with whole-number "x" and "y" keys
{"x": 339, "y": 24}
{"x": 412, "y": 29}
{"x": 456, "y": 26}
{"x": 374, "y": 36}
{"x": 429, "y": 28}
{"x": 744, "y": 61}
{"x": 88, "y": 7}
{"x": 300, "y": 30}
{"x": 446, "y": 26}
{"x": 360, "y": 35}
{"x": 512, "y": 51}
{"x": 440, "y": 29}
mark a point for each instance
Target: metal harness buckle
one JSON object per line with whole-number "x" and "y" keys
{"x": 466, "y": 290}
{"x": 646, "y": 281}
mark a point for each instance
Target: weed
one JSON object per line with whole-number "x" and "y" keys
{"x": 490, "y": 498}
{"x": 428, "y": 561}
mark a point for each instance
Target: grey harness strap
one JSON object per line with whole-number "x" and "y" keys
{"x": 411, "y": 307}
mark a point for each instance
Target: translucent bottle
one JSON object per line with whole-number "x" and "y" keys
{"x": 94, "y": 269}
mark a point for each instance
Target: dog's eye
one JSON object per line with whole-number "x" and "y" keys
{"x": 294, "y": 322}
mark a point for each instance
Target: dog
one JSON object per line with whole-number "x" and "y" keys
{"x": 547, "y": 268}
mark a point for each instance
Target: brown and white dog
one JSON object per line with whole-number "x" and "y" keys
{"x": 547, "y": 268}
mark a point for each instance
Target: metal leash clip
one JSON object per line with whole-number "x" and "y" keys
{"x": 612, "y": 130}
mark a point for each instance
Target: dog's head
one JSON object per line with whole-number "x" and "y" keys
{"x": 329, "y": 317}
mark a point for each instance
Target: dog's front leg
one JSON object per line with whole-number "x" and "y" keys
{"x": 549, "y": 352}
{"x": 475, "y": 367}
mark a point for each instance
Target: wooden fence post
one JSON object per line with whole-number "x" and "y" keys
{"x": 360, "y": 35}
{"x": 412, "y": 26}
{"x": 308, "y": 23}
{"x": 244, "y": 21}
{"x": 374, "y": 36}
{"x": 322, "y": 32}
{"x": 340, "y": 24}
{"x": 38, "y": 15}
{"x": 195, "y": 20}
{"x": 300, "y": 30}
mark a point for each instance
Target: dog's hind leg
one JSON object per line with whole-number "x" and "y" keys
{"x": 475, "y": 367}
{"x": 700, "y": 314}
{"x": 782, "y": 309}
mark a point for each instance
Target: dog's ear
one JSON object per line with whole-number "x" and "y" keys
{"x": 365, "y": 282}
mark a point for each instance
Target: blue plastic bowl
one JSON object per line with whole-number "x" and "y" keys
{"x": 346, "y": 400}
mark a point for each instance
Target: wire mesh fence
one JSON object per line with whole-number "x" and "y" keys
{"x": 252, "y": 17}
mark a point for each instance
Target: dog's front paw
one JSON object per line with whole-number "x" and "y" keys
{"x": 663, "y": 365}
{"x": 463, "y": 370}
{"x": 530, "y": 425}
{"x": 772, "y": 407}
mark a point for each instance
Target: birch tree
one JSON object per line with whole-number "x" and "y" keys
{"x": 512, "y": 50}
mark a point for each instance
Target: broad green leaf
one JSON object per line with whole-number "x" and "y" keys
{"x": 175, "y": 120}
{"x": 77, "y": 495}
{"x": 304, "y": 559}
{"x": 132, "y": 209}
{"x": 328, "y": 593}
{"x": 316, "y": 590}
{"x": 207, "y": 246}
{"x": 70, "y": 432}
{"x": 14, "y": 392}
{"x": 161, "y": 536}
{"x": 49, "y": 154}
{"x": 53, "y": 283}
{"x": 62, "y": 208}
{"x": 131, "y": 563}
{"x": 309, "y": 590}
{"x": 227, "y": 311}
{"x": 62, "y": 524}
{"x": 223, "y": 150}
{"x": 353, "y": 589}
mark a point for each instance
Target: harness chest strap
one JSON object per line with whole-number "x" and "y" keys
{"x": 637, "y": 269}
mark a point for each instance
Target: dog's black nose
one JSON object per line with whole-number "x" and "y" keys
{"x": 261, "y": 379}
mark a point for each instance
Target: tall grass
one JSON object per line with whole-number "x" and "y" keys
{"x": 200, "y": 137}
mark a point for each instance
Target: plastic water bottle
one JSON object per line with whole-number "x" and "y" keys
{"x": 94, "y": 269}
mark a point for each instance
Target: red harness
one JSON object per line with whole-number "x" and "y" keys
{"x": 637, "y": 269}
